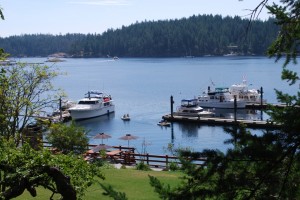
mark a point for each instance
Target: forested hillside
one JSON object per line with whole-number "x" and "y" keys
{"x": 194, "y": 36}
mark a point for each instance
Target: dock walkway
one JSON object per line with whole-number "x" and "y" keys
{"x": 257, "y": 106}
{"x": 222, "y": 121}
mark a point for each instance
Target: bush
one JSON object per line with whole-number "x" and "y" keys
{"x": 142, "y": 166}
{"x": 99, "y": 162}
{"x": 173, "y": 166}
{"x": 123, "y": 167}
{"x": 68, "y": 138}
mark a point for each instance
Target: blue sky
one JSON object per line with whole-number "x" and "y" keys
{"x": 96, "y": 16}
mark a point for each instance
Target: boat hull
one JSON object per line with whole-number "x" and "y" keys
{"x": 125, "y": 118}
{"x": 227, "y": 105}
{"x": 164, "y": 124}
{"x": 77, "y": 114}
{"x": 200, "y": 114}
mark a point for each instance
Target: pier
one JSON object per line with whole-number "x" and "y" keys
{"x": 63, "y": 116}
{"x": 263, "y": 106}
{"x": 216, "y": 121}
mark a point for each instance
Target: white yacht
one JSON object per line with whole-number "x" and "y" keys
{"x": 190, "y": 108}
{"x": 243, "y": 93}
{"x": 93, "y": 105}
{"x": 220, "y": 97}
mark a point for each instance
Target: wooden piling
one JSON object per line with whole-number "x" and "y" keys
{"x": 171, "y": 102}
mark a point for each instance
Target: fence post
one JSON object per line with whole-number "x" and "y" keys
{"x": 147, "y": 158}
{"x": 167, "y": 161}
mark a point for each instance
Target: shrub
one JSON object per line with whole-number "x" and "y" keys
{"x": 173, "y": 166}
{"x": 143, "y": 166}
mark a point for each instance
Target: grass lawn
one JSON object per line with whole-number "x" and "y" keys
{"x": 134, "y": 183}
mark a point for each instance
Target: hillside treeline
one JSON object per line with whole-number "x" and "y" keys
{"x": 194, "y": 36}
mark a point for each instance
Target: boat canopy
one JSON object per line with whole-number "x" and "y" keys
{"x": 96, "y": 94}
{"x": 222, "y": 89}
{"x": 189, "y": 102}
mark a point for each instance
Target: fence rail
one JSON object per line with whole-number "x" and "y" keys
{"x": 158, "y": 160}
{"x": 128, "y": 156}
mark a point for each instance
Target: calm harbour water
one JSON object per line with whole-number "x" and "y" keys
{"x": 142, "y": 87}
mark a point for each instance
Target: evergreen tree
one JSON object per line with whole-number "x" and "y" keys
{"x": 194, "y": 36}
{"x": 263, "y": 166}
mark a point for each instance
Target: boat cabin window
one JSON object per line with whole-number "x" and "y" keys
{"x": 87, "y": 102}
{"x": 193, "y": 111}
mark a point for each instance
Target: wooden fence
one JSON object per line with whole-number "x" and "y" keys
{"x": 127, "y": 156}
{"x": 162, "y": 160}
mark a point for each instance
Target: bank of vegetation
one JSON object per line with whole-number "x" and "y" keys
{"x": 200, "y": 35}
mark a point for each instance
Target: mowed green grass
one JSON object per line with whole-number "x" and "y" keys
{"x": 134, "y": 183}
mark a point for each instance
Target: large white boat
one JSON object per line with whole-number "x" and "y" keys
{"x": 243, "y": 93}
{"x": 190, "y": 108}
{"x": 93, "y": 105}
{"x": 220, "y": 97}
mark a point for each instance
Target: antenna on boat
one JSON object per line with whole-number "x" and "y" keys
{"x": 212, "y": 83}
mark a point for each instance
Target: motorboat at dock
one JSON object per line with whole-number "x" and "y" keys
{"x": 190, "y": 107}
{"x": 93, "y": 105}
{"x": 243, "y": 93}
{"x": 220, "y": 97}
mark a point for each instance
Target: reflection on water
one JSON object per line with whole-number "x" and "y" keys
{"x": 248, "y": 114}
{"x": 193, "y": 129}
{"x": 92, "y": 126}
{"x": 172, "y": 133}
{"x": 189, "y": 129}
{"x": 197, "y": 136}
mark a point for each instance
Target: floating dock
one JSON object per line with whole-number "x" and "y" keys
{"x": 256, "y": 106}
{"x": 259, "y": 106}
{"x": 63, "y": 117}
{"x": 215, "y": 121}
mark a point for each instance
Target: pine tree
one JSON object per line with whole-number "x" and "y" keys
{"x": 263, "y": 166}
